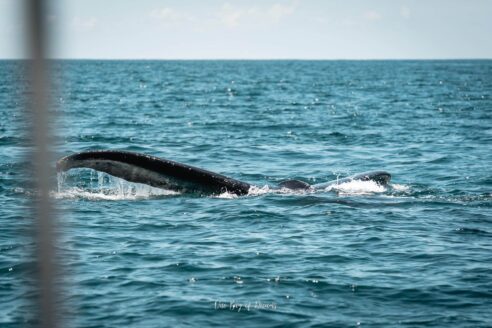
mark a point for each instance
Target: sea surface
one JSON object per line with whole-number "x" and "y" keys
{"x": 417, "y": 253}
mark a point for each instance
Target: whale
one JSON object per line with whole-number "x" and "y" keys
{"x": 154, "y": 171}
{"x": 166, "y": 174}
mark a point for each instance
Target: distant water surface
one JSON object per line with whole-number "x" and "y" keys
{"x": 416, "y": 253}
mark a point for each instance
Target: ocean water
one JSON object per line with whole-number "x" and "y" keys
{"x": 415, "y": 253}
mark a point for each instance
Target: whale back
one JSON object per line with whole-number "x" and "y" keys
{"x": 294, "y": 185}
{"x": 154, "y": 171}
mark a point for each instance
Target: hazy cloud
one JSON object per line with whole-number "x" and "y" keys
{"x": 259, "y": 29}
{"x": 279, "y": 11}
{"x": 230, "y": 15}
{"x": 405, "y": 12}
{"x": 233, "y": 15}
{"x": 170, "y": 15}
{"x": 372, "y": 15}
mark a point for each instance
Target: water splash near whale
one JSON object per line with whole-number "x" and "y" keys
{"x": 102, "y": 186}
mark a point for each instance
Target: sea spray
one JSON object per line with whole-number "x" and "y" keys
{"x": 102, "y": 186}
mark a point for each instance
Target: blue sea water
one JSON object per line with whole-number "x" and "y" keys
{"x": 415, "y": 253}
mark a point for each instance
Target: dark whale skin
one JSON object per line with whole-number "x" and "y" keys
{"x": 153, "y": 171}
{"x": 166, "y": 174}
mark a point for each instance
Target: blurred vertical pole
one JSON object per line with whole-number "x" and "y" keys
{"x": 38, "y": 113}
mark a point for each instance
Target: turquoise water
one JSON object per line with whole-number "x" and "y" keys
{"x": 416, "y": 253}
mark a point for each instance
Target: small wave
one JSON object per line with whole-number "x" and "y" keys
{"x": 472, "y": 231}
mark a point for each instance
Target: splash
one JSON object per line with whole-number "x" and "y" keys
{"x": 102, "y": 186}
{"x": 357, "y": 187}
{"x": 266, "y": 189}
{"x": 399, "y": 187}
{"x": 93, "y": 185}
{"x": 253, "y": 191}
{"x": 226, "y": 195}
{"x": 258, "y": 191}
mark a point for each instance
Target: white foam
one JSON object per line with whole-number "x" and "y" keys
{"x": 253, "y": 191}
{"x": 226, "y": 195}
{"x": 357, "y": 187}
{"x": 258, "y": 191}
{"x": 74, "y": 193}
{"x": 354, "y": 187}
{"x": 107, "y": 187}
{"x": 399, "y": 187}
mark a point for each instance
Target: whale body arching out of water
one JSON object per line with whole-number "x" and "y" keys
{"x": 162, "y": 173}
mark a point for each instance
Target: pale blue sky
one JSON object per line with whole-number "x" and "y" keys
{"x": 254, "y": 29}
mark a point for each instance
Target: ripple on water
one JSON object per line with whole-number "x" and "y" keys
{"x": 415, "y": 252}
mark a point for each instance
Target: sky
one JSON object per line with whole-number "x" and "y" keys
{"x": 258, "y": 29}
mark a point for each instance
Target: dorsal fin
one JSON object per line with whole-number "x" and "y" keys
{"x": 294, "y": 185}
